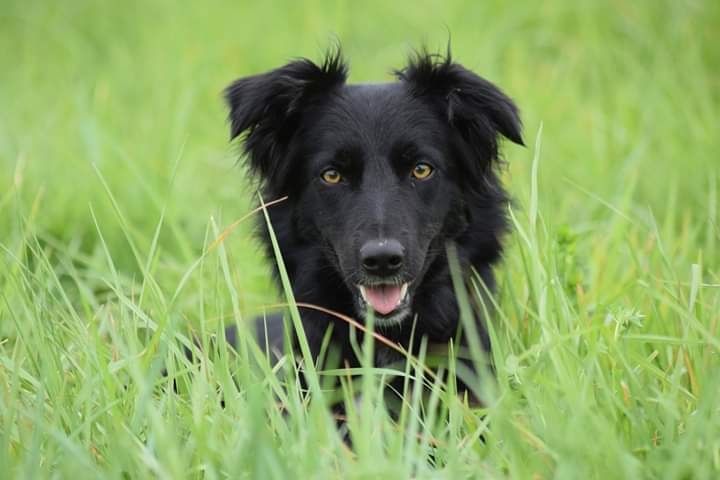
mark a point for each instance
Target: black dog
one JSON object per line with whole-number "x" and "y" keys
{"x": 380, "y": 179}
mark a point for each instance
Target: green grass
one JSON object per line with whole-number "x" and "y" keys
{"x": 116, "y": 176}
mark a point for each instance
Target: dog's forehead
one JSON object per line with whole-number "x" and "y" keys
{"x": 370, "y": 100}
{"x": 374, "y": 91}
{"x": 377, "y": 112}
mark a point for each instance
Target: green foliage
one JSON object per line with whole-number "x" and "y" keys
{"x": 116, "y": 178}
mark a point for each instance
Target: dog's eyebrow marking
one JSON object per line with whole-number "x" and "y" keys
{"x": 348, "y": 159}
{"x": 346, "y": 156}
{"x": 407, "y": 148}
{"x": 404, "y": 154}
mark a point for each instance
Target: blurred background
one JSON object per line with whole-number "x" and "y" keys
{"x": 104, "y": 102}
{"x": 116, "y": 173}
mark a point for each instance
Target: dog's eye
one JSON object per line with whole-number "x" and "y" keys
{"x": 422, "y": 171}
{"x": 331, "y": 176}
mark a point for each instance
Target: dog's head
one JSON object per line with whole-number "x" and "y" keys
{"x": 380, "y": 175}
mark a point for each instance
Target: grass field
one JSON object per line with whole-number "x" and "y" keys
{"x": 116, "y": 175}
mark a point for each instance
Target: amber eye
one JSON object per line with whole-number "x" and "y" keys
{"x": 422, "y": 171}
{"x": 331, "y": 176}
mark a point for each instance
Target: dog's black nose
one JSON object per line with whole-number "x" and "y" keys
{"x": 382, "y": 257}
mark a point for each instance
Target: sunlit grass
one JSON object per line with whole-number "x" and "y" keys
{"x": 120, "y": 247}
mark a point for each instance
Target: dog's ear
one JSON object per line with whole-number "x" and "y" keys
{"x": 476, "y": 108}
{"x": 268, "y": 106}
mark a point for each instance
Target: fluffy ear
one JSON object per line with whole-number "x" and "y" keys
{"x": 473, "y": 106}
{"x": 268, "y": 106}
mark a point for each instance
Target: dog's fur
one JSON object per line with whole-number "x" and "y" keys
{"x": 302, "y": 119}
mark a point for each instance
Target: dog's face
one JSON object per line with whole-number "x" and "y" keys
{"x": 378, "y": 187}
{"x": 379, "y": 174}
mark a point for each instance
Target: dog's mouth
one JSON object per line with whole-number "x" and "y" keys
{"x": 389, "y": 301}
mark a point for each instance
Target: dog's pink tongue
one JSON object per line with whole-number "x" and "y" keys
{"x": 383, "y": 298}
